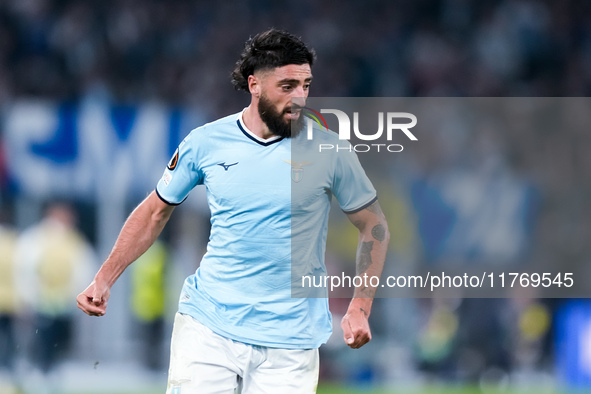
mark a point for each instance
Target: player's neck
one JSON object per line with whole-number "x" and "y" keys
{"x": 255, "y": 124}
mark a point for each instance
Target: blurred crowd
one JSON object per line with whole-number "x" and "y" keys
{"x": 42, "y": 269}
{"x": 183, "y": 51}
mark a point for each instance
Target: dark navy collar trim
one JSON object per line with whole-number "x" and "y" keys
{"x": 254, "y": 139}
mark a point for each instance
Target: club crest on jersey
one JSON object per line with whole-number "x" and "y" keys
{"x": 297, "y": 169}
{"x": 174, "y": 161}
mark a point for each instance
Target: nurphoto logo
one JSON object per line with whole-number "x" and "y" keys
{"x": 390, "y": 124}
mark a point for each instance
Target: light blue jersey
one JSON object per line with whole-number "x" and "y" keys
{"x": 242, "y": 288}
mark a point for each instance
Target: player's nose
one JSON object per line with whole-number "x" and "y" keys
{"x": 299, "y": 101}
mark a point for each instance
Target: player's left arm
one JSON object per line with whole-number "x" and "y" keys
{"x": 371, "y": 254}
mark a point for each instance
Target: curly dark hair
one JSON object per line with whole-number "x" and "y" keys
{"x": 270, "y": 49}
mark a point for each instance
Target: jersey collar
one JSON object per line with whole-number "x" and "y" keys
{"x": 254, "y": 137}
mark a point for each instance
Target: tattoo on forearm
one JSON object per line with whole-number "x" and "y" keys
{"x": 364, "y": 259}
{"x": 378, "y": 232}
{"x": 368, "y": 292}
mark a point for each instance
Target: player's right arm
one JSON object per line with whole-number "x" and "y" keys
{"x": 139, "y": 232}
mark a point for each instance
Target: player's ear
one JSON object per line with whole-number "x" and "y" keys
{"x": 254, "y": 86}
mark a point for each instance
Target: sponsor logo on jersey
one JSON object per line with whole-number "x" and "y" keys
{"x": 226, "y": 166}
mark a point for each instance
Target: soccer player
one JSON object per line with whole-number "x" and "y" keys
{"x": 238, "y": 327}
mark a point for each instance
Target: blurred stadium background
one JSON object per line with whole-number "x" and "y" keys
{"x": 95, "y": 97}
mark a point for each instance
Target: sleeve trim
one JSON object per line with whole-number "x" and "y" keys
{"x": 361, "y": 208}
{"x": 166, "y": 201}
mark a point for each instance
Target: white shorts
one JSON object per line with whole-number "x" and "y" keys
{"x": 202, "y": 361}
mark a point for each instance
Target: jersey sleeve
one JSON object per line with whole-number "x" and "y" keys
{"x": 352, "y": 188}
{"x": 182, "y": 173}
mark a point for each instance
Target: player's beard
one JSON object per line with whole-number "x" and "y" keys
{"x": 276, "y": 121}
